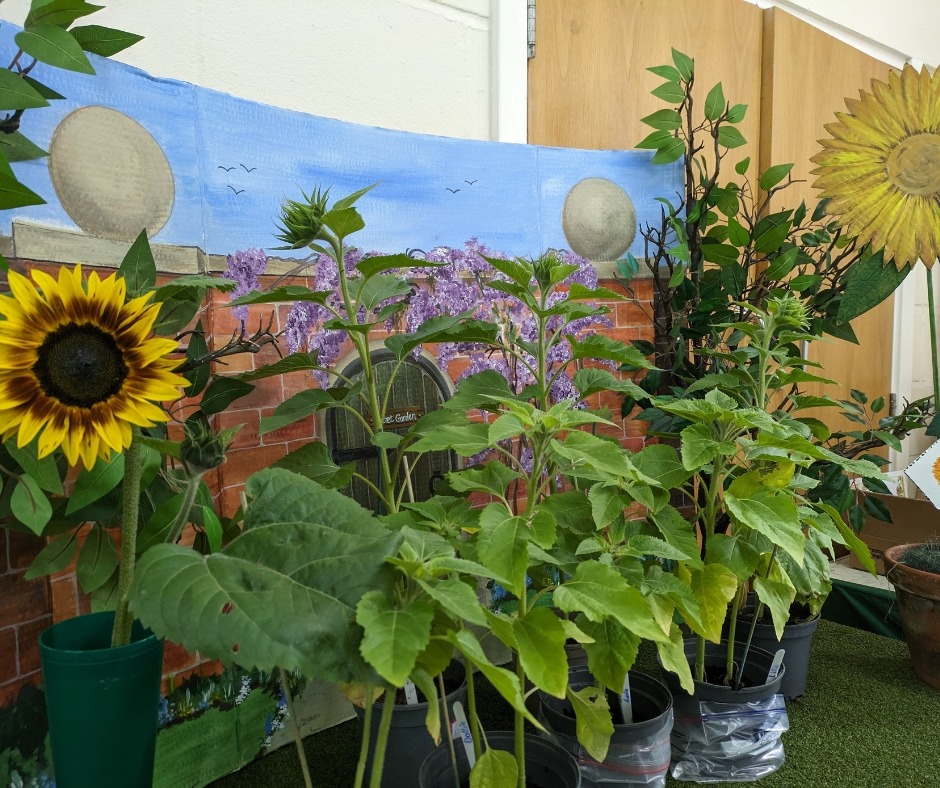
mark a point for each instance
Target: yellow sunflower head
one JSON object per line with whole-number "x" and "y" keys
{"x": 881, "y": 172}
{"x": 78, "y": 366}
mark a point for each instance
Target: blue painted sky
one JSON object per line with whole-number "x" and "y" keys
{"x": 513, "y": 205}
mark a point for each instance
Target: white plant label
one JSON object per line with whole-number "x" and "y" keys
{"x": 626, "y": 701}
{"x": 411, "y": 693}
{"x": 775, "y": 665}
{"x": 461, "y": 730}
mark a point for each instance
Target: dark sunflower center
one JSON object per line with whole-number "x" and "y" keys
{"x": 80, "y": 365}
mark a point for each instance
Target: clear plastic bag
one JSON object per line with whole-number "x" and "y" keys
{"x": 728, "y": 742}
{"x": 639, "y": 761}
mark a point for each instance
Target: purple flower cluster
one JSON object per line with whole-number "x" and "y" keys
{"x": 245, "y": 268}
{"x": 460, "y": 282}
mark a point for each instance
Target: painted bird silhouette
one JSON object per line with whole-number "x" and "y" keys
{"x": 246, "y": 169}
{"x": 472, "y": 182}
{"x": 452, "y": 191}
{"x": 237, "y": 191}
{"x": 227, "y": 169}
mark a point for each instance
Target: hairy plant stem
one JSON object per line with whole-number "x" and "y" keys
{"x": 295, "y": 726}
{"x": 130, "y": 510}
{"x": 472, "y": 711}
{"x": 519, "y": 719}
{"x": 182, "y": 516}
{"x": 385, "y": 723}
{"x": 366, "y": 738}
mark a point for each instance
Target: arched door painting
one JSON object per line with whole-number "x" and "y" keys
{"x": 419, "y": 387}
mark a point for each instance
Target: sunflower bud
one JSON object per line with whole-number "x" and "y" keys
{"x": 202, "y": 448}
{"x": 302, "y": 222}
{"x": 789, "y": 311}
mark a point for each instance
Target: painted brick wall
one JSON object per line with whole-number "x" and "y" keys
{"x": 26, "y": 608}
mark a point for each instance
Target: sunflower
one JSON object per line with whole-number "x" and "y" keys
{"x": 881, "y": 173}
{"x": 77, "y": 367}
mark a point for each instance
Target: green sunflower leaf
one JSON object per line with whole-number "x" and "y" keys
{"x": 97, "y": 560}
{"x": 222, "y": 392}
{"x": 91, "y": 485}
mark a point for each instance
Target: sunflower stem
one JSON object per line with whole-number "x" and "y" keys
{"x": 931, "y": 311}
{"x": 130, "y": 505}
{"x": 182, "y": 516}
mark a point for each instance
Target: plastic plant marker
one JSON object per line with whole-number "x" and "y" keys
{"x": 626, "y": 701}
{"x": 462, "y": 730}
{"x": 775, "y": 665}
{"x": 411, "y": 693}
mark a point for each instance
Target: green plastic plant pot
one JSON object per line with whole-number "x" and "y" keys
{"x": 102, "y": 702}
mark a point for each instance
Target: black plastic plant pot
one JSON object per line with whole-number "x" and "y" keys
{"x": 409, "y": 742}
{"x": 639, "y": 751}
{"x": 796, "y": 642}
{"x": 755, "y": 686}
{"x": 546, "y": 765}
{"x": 102, "y": 702}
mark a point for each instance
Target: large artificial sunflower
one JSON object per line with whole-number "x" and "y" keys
{"x": 881, "y": 173}
{"x": 76, "y": 365}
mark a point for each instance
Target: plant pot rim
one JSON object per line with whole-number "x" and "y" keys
{"x": 907, "y": 578}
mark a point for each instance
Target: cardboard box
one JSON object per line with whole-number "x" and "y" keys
{"x": 915, "y": 520}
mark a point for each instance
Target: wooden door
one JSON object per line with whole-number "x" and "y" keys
{"x": 589, "y": 87}
{"x": 807, "y": 76}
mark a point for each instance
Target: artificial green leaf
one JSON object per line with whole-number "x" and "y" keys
{"x": 17, "y": 93}
{"x": 773, "y": 175}
{"x": 722, "y": 254}
{"x": 213, "y": 528}
{"x": 737, "y": 234}
{"x": 540, "y": 647}
{"x": 178, "y": 307}
{"x": 198, "y": 377}
{"x": 868, "y": 282}
{"x": 715, "y": 103}
{"x": 45, "y": 471}
{"x": 14, "y": 194}
{"x": 741, "y": 167}
{"x": 494, "y": 769}
{"x": 669, "y": 92}
{"x": 664, "y": 119}
{"x": 670, "y": 152}
{"x": 59, "y": 13}
{"x": 104, "y": 476}
{"x": 16, "y": 147}
{"x": 305, "y": 549}
{"x": 393, "y": 636}
{"x": 297, "y": 407}
{"x": 601, "y": 592}
{"x": 730, "y": 137}
{"x": 138, "y": 268}
{"x": 782, "y": 264}
{"x": 666, "y": 72}
{"x": 736, "y": 113}
{"x": 104, "y": 41}
{"x": 54, "y": 557}
{"x": 54, "y": 46}
{"x": 97, "y": 559}
{"x": 295, "y": 362}
{"x": 684, "y": 64}
{"x": 593, "y": 723}
{"x": 222, "y": 392}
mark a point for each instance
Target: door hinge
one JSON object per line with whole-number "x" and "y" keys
{"x": 530, "y": 28}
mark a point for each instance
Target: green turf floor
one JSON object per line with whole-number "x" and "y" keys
{"x": 865, "y": 722}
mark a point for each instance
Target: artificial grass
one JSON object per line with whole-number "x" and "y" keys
{"x": 866, "y": 720}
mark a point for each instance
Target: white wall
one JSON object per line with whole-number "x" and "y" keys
{"x": 414, "y": 65}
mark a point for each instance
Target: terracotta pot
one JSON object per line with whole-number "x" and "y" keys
{"x": 918, "y": 596}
